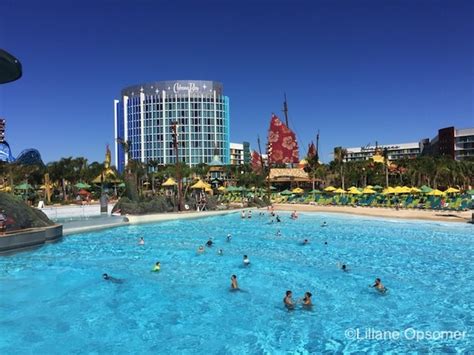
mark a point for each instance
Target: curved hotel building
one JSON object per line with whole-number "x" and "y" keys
{"x": 145, "y": 113}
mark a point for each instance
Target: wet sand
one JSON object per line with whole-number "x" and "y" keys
{"x": 445, "y": 216}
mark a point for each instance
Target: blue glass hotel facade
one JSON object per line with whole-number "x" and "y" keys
{"x": 145, "y": 113}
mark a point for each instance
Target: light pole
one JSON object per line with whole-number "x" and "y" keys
{"x": 174, "y": 130}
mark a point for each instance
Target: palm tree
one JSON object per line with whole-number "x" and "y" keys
{"x": 340, "y": 156}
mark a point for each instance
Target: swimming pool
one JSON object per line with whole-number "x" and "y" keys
{"x": 54, "y": 300}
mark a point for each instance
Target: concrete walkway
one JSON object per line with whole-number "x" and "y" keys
{"x": 99, "y": 223}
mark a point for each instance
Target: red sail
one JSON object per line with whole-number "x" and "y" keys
{"x": 282, "y": 144}
{"x": 256, "y": 162}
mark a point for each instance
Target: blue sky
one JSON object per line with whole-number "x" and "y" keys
{"x": 359, "y": 71}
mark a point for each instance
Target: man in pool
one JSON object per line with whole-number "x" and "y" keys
{"x": 200, "y": 249}
{"x": 242, "y": 214}
{"x": 107, "y": 277}
{"x": 157, "y": 267}
{"x": 379, "y": 286}
{"x": 278, "y": 219}
{"x": 229, "y": 237}
{"x": 142, "y": 241}
{"x": 220, "y": 252}
{"x": 234, "y": 285}
{"x": 324, "y": 224}
{"x": 344, "y": 268}
{"x": 306, "y": 241}
{"x": 288, "y": 301}
{"x": 209, "y": 242}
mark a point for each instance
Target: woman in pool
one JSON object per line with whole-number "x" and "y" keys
{"x": 220, "y": 252}
{"x": 209, "y": 242}
{"x": 307, "y": 299}
{"x": 306, "y": 241}
{"x": 242, "y": 214}
{"x": 379, "y": 286}
{"x": 142, "y": 241}
{"x": 288, "y": 301}
{"x": 229, "y": 237}
{"x": 234, "y": 285}
{"x": 246, "y": 260}
{"x": 200, "y": 249}
{"x": 294, "y": 215}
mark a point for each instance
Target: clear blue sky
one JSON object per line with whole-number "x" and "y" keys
{"x": 360, "y": 71}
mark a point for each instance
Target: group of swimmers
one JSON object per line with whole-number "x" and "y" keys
{"x": 287, "y": 300}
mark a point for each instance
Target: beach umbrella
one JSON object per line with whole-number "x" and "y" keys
{"x": 415, "y": 190}
{"x": 82, "y": 185}
{"x": 83, "y": 192}
{"x": 298, "y": 190}
{"x": 425, "y": 189}
{"x": 435, "y": 192}
{"x": 355, "y": 192}
{"x": 200, "y": 185}
{"x": 5, "y": 188}
{"x": 329, "y": 189}
{"x": 470, "y": 192}
{"x": 286, "y": 192}
{"x": 377, "y": 187}
{"x": 370, "y": 186}
{"x": 122, "y": 184}
{"x": 368, "y": 190}
{"x": 389, "y": 190}
{"x": 451, "y": 190}
{"x": 24, "y": 186}
{"x": 170, "y": 182}
{"x": 339, "y": 191}
{"x": 273, "y": 188}
{"x": 315, "y": 191}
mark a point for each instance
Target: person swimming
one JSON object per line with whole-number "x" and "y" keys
{"x": 306, "y": 241}
{"x": 209, "y": 242}
{"x": 142, "y": 241}
{"x": 278, "y": 219}
{"x": 246, "y": 260}
{"x": 294, "y": 215}
{"x": 107, "y": 277}
{"x": 324, "y": 224}
{"x": 234, "y": 285}
{"x": 229, "y": 237}
{"x": 278, "y": 233}
{"x": 200, "y": 249}
{"x": 249, "y": 214}
{"x": 220, "y": 252}
{"x": 307, "y": 299}
{"x": 288, "y": 301}
{"x": 242, "y": 214}
{"x": 344, "y": 268}
{"x": 157, "y": 267}
{"x": 379, "y": 286}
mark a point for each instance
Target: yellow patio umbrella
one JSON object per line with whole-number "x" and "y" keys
{"x": 415, "y": 190}
{"x": 297, "y": 190}
{"x": 355, "y": 192}
{"x": 389, "y": 190}
{"x": 435, "y": 192}
{"x": 200, "y": 185}
{"x": 222, "y": 189}
{"x": 208, "y": 189}
{"x": 370, "y": 186}
{"x": 352, "y": 188}
{"x": 451, "y": 190}
{"x": 169, "y": 182}
{"x": 368, "y": 190}
{"x": 339, "y": 191}
{"x": 399, "y": 190}
{"x": 329, "y": 189}
{"x": 5, "y": 188}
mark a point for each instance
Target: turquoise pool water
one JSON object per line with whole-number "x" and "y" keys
{"x": 54, "y": 300}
